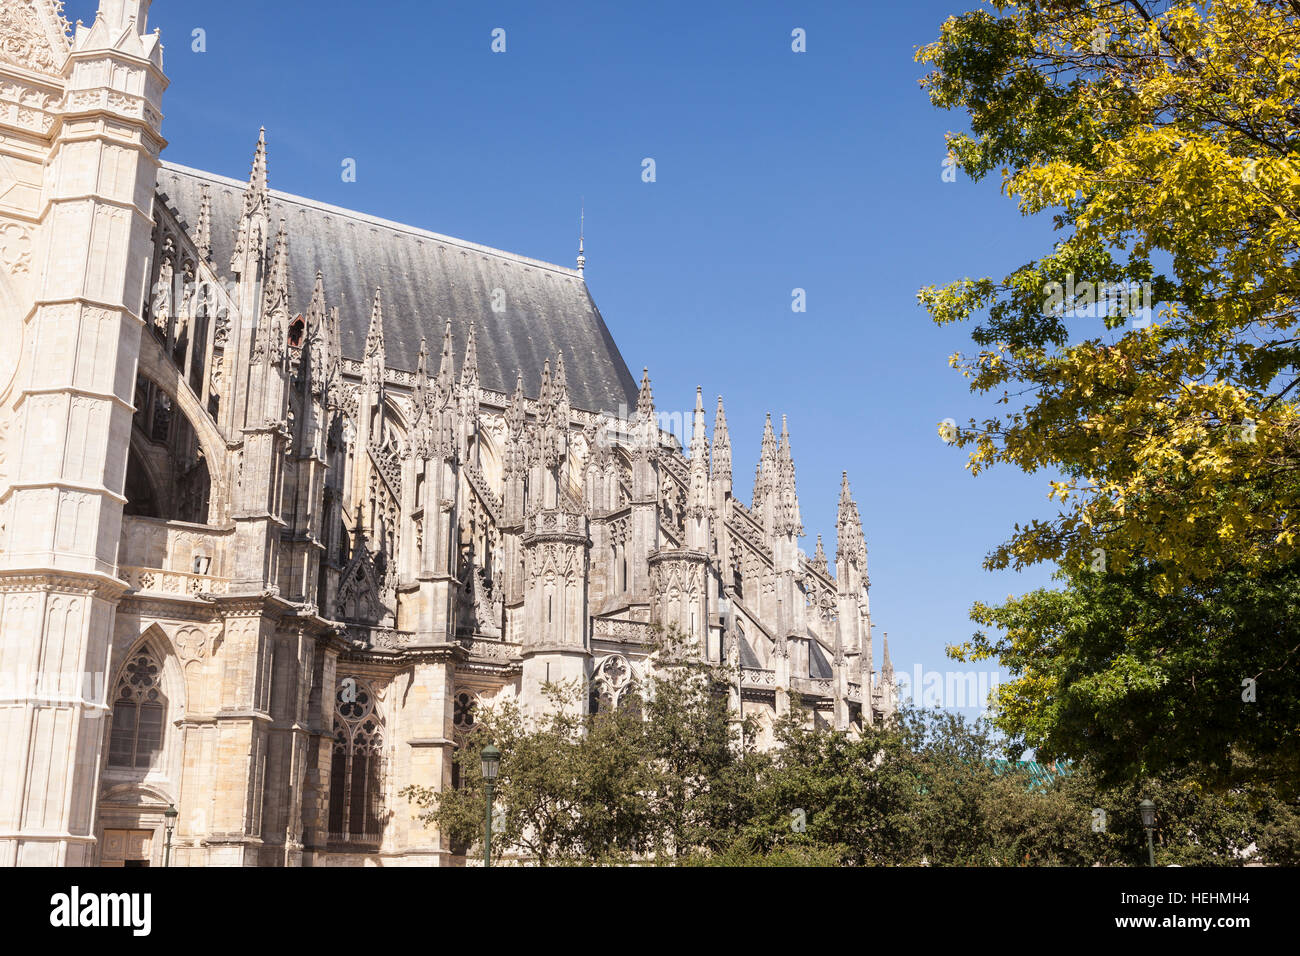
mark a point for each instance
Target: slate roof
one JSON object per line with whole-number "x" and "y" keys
{"x": 747, "y": 656}
{"x": 426, "y": 279}
{"x": 818, "y": 665}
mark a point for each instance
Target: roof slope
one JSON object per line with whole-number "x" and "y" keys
{"x": 426, "y": 279}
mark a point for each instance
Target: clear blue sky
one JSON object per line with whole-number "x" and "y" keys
{"x": 775, "y": 170}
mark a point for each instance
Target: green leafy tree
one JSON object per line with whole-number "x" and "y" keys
{"x": 1160, "y": 136}
{"x": 661, "y": 775}
{"x": 1142, "y": 682}
{"x": 702, "y": 781}
{"x": 571, "y": 787}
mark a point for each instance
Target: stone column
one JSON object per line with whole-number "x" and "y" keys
{"x": 69, "y": 436}
{"x": 424, "y": 754}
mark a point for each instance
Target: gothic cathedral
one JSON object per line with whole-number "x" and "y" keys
{"x": 288, "y": 491}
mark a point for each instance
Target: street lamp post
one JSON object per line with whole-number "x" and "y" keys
{"x": 1148, "y": 810}
{"x": 491, "y": 764}
{"x": 169, "y": 824}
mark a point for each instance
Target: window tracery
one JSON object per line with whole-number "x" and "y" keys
{"x": 139, "y": 713}
{"x": 357, "y": 776}
{"x": 613, "y": 684}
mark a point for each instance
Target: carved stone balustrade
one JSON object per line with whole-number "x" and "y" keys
{"x": 159, "y": 581}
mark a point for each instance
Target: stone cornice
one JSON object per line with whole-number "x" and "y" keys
{"x": 663, "y": 555}
{"x": 62, "y": 484}
{"x": 243, "y": 714}
{"x": 89, "y": 583}
{"x": 157, "y": 606}
{"x": 570, "y": 650}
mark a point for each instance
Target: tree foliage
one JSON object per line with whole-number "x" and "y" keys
{"x": 1161, "y": 138}
{"x": 660, "y": 776}
{"x": 928, "y": 789}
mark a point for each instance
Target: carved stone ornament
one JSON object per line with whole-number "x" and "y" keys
{"x": 30, "y": 36}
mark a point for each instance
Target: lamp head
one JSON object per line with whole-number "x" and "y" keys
{"x": 1148, "y": 811}
{"x": 490, "y": 763}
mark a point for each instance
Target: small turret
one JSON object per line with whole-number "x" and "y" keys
{"x": 787, "y": 521}
{"x": 851, "y": 546}
{"x": 697, "y": 492}
{"x": 470, "y": 394}
{"x": 314, "y": 342}
{"x": 819, "y": 557}
{"x": 765, "y": 477}
{"x": 469, "y": 369}
{"x": 250, "y": 240}
{"x": 203, "y": 229}
{"x": 721, "y": 473}
{"x": 446, "y": 366}
{"x": 645, "y": 400}
{"x": 373, "y": 371}
{"x": 275, "y": 292}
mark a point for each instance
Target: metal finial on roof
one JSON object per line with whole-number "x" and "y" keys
{"x": 582, "y": 222}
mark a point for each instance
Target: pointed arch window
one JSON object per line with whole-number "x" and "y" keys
{"x": 139, "y": 713}
{"x": 357, "y": 777}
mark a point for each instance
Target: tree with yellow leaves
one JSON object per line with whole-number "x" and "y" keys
{"x": 1163, "y": 139}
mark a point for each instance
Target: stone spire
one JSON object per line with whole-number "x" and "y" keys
{"x": 444, "y": 431}
{"x": 767, "y": 455}
{"x": 514, "y": 465}
{"x": 275, "y": 296}
{"x": 645, "y": 400}
{"x": 886, "y": 666}
{"x": 469, "y": 370}
{"x": 819, "y": 557}
{"x": 270, "y": 336}
{"x": 765, "y": 473}
{"x": 374, "y": 353}
{"x": 561, "y": 396}
{"x": 420, "y": 396}
{"x": 446, "y": 373}
{"x": 515, "y": 416}
{"x": 333, "y": 357}
{"x": 469, "y": 395}
{"x": 852, "y": 547}
{"x": 549, "y": 445}
{"x": 203, "y": 230}
{"x": 544, "y": 392}
{"x": 314, "y": 338}
{"x": 787, "y": 499}
{"x": 316, "y": 308}
{"x": 645, "y": 434}
{"x": 421, "y": 405}
{"x": 697, "y": 494}
{"x": 255, "y": 220}
{"x": 721, "y": 449}
{"x": 853, "y": 606}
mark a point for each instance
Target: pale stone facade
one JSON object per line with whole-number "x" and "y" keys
{"x": 262, "y": 554}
